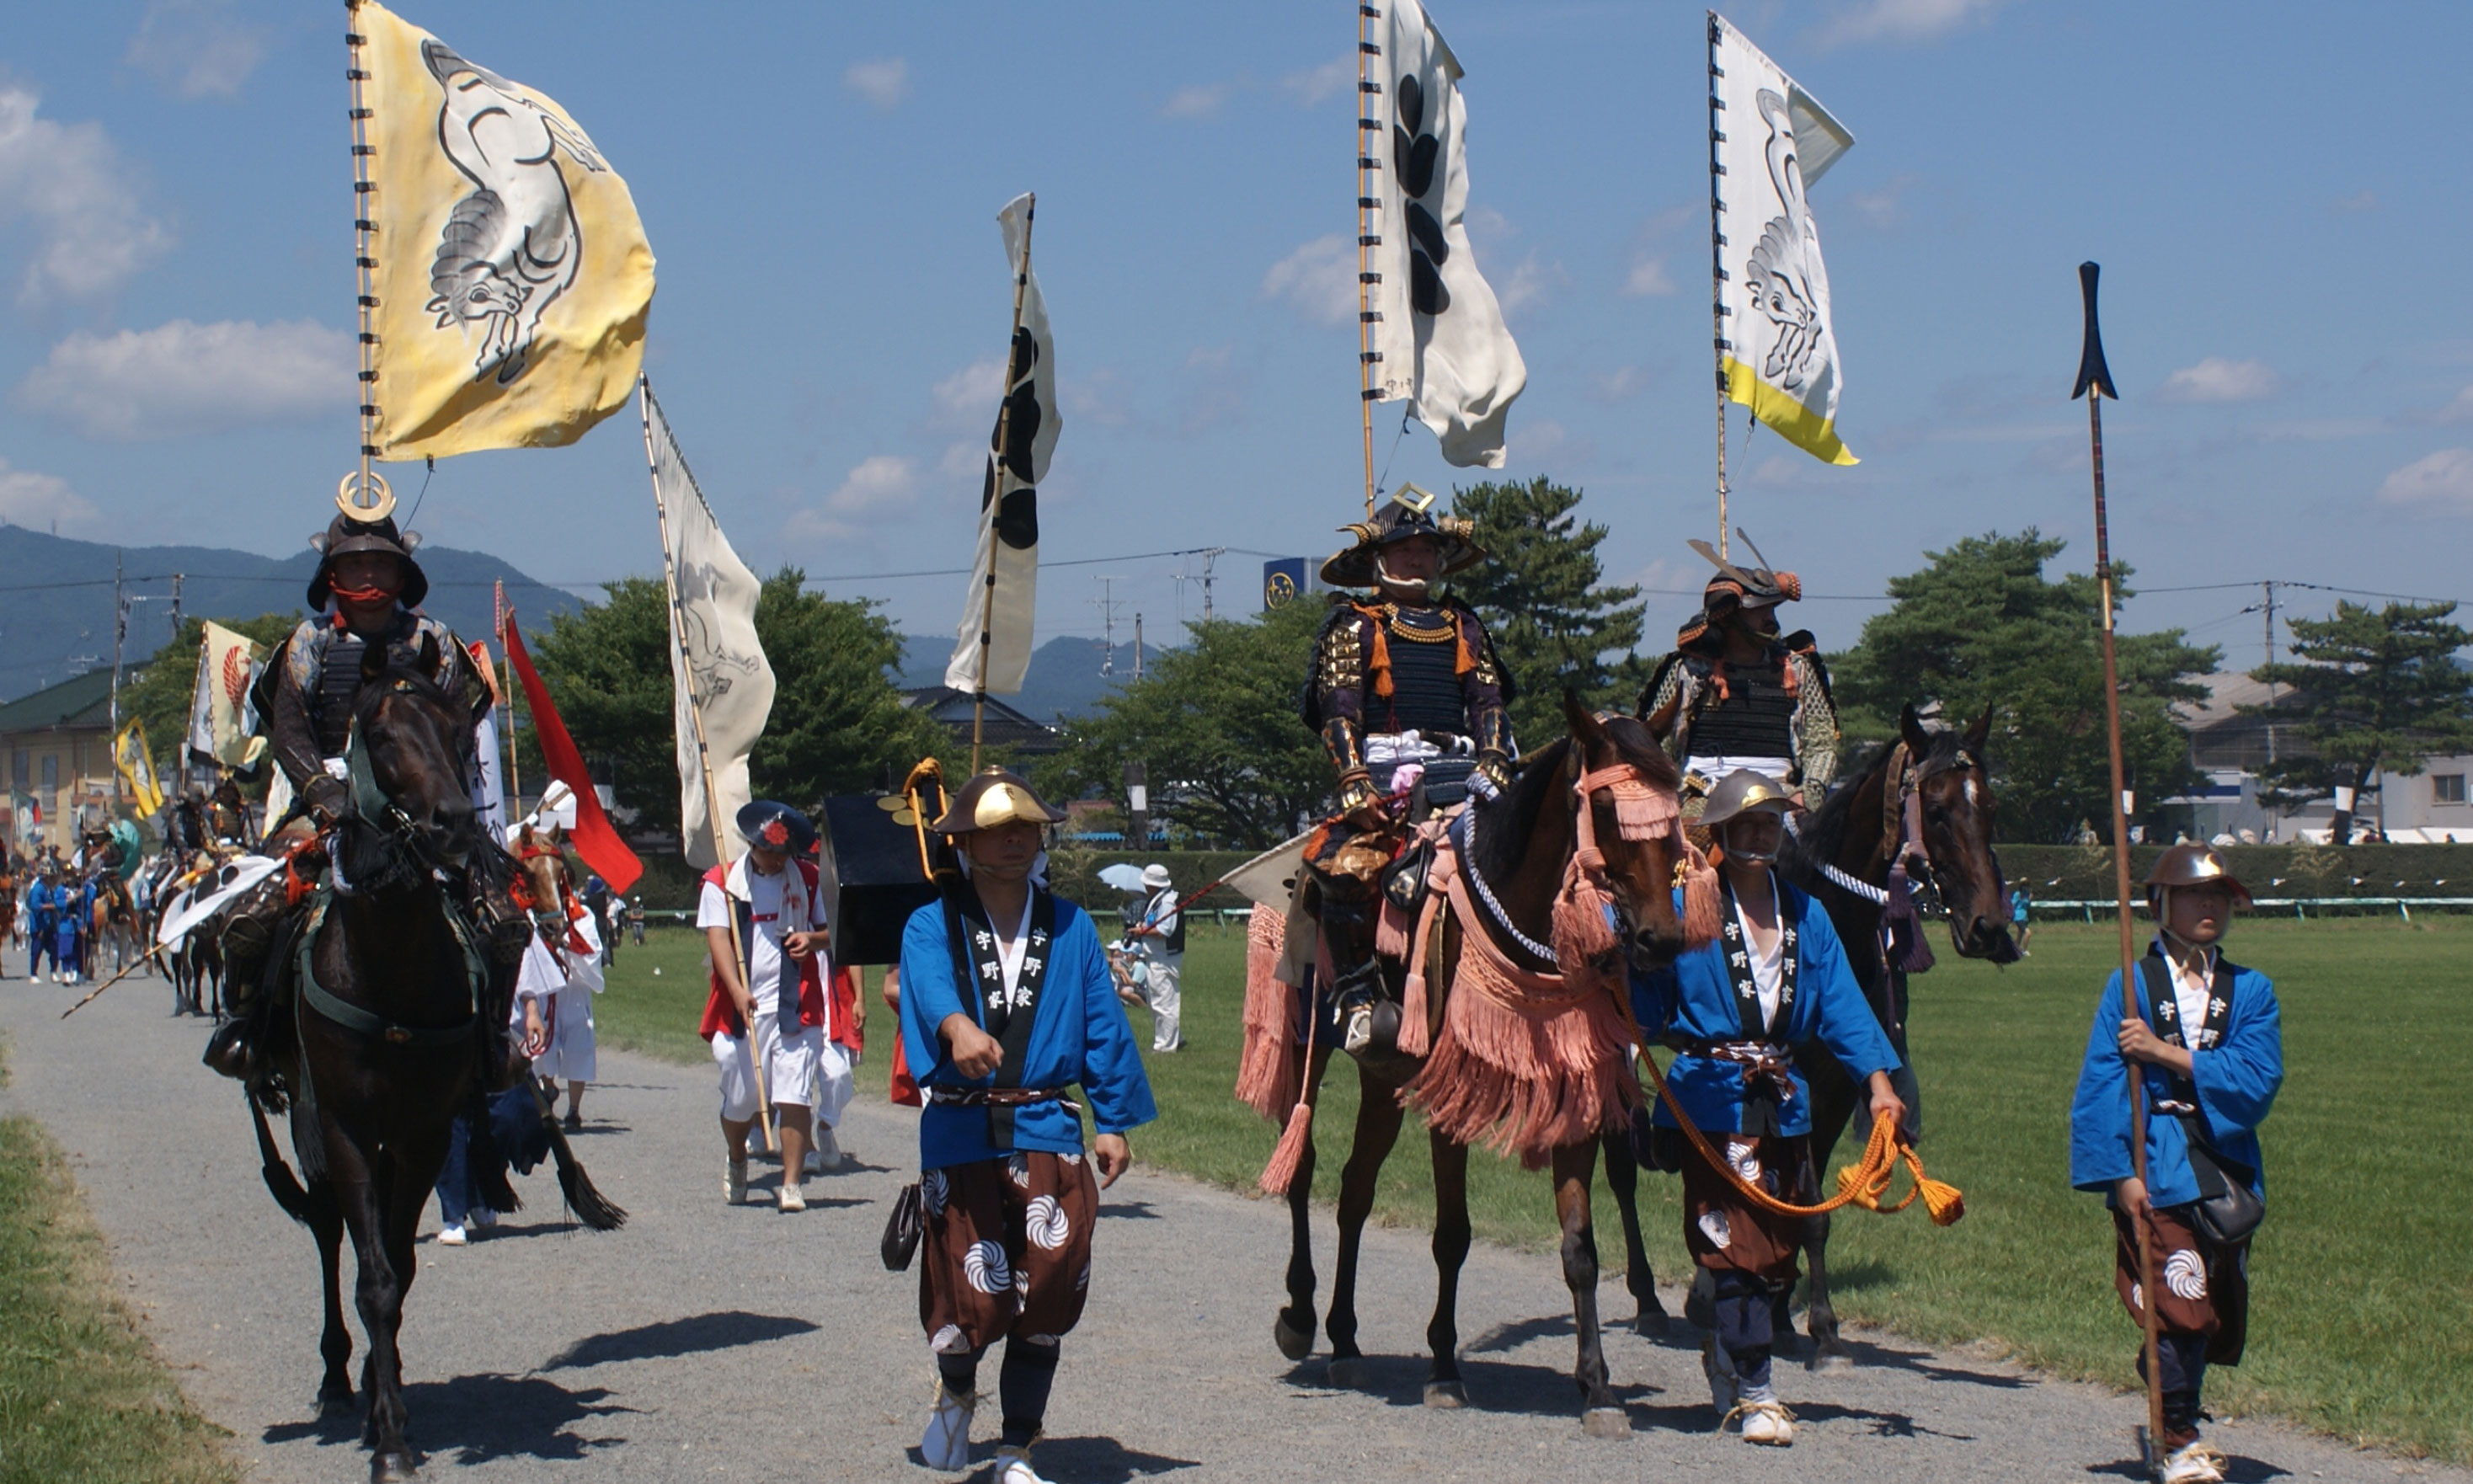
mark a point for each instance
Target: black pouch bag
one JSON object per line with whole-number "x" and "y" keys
{"x": 902, "y": 1230}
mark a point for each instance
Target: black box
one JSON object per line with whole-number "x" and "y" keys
{"x": 872, "y": 880}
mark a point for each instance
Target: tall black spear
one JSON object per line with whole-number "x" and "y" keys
{"x": 2095, "y": 384}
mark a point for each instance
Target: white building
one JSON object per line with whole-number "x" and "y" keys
{"x": 2228, "y": 746}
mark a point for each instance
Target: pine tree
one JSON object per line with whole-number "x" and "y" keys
{"x": 2375, "y": 692}
{"x": 1541, "y": 597}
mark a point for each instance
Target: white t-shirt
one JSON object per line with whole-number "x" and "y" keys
{"x": 766, "y": 960}
{"x": 2189, "y": 995}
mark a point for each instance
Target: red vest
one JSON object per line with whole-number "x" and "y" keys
{"x": 720, "y": 1014}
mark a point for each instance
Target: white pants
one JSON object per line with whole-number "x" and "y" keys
{"x": 834, "y": 1084}
{"x": 790, "y": 1068}
{"x": 571, "y": 1053}
{"x": 1165, "y": 994}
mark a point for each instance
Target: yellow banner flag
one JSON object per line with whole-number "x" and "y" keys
{"x": 137, "y": 767}
{"x": 512, "y": 276}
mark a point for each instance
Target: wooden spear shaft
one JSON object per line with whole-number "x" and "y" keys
{"x": 995, "y": 488}
{"x": 2095, "y": 383}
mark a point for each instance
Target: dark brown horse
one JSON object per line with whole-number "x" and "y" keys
{"x": 1524, "y": 843}
{"x": 1923, "y": 803}
{"x": 396, "y": 1028}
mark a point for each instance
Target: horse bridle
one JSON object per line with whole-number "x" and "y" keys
{"x": 372, "y": 806}
{"x": 1585, "y": 850}
{"x": 1907, "y": 812}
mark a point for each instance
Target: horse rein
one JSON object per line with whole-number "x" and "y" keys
{"x": 1623, "y": 779}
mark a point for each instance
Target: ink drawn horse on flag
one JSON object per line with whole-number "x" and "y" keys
{"x": 510, "y": 248}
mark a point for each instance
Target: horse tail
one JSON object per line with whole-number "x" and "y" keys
{"x": 280, "y": 1183}
{"x": 590, "y": 1206}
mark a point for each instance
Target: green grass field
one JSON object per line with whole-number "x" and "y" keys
{"x": 82, "y": 1394}
{"x": 2362, "y": 1321}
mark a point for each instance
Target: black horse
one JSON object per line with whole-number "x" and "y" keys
{"x": 395, "y": 1026}
{"x": 1928, "y": 796}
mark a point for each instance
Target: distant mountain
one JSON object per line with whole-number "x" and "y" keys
{"x": 55, "y": 597}
{"x": 1064, "y": 678}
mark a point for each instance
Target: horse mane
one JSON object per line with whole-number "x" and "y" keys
{"x": 1511, "y": 816}
{"x": 1825, "y": 835}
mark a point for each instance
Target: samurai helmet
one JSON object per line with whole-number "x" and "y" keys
{"x": 1745, "y": 791}
{"x": 345, "y": 535}
{"x": 1408, "y": 513}
{"x": 2192, "y": 865}
{"x": 1735, "y": 587}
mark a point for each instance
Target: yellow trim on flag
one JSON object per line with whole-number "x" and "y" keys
{"x": 1796, "y": 423}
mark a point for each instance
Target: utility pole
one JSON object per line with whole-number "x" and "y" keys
{"x": 2270, "y": 586}
{"x": 1138, "y": 807}
{"x": 1107, "y": 602}
{"x": 1138, "y": 645}
{"x": 119, "y": 633}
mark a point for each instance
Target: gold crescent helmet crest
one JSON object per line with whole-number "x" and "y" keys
{"x": 365, "y": 497}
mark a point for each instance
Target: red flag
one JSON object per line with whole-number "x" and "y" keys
{"x": 596, "y": 840}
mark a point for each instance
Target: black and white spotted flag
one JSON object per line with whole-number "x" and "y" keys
{"x": 992, "y": 644}
{"x": 1439, "y": 333}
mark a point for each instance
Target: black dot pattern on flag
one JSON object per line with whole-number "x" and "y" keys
{"x": 1414, "y": 155}
{"x": 1018, "y": 424}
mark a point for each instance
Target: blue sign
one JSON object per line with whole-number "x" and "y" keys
{"x": 1283, "y": 581}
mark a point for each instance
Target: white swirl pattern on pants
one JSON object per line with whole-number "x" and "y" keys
{"x": 1047, "y": 1223}
{"x": 2185, "y": 1275}
{"x": 933, "y": 1191}
{"x": 985, "y": 1267}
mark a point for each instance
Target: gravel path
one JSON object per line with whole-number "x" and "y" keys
{"x": 708, "y": 1342}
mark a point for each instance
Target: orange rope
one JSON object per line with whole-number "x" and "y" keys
{"x": 1861, "y": 1183}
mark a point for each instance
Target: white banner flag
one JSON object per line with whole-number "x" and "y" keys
{"x": 1004, "y": 572}
{"x": 1438, "y": 334}
{"x": 717, "y": 667}
{"x": 1772, "y": 141}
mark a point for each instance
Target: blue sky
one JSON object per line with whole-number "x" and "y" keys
{"x": 819, "y": 184}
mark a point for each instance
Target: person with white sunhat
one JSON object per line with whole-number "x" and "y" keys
{"x": 1158, "y": 941}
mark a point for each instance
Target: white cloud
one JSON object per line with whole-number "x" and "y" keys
{"x": 1620, "y": 385}
{"x": 1529, "y": 282}
{"x": 2216, "y": 379}
{"x": 197, "y": 48}
{"x": 2443, "y": 480}
{"x": 2363, "y": 200}
{"x": 1901, "y": 21}
{"x": 1319, "y": 279}
{"x": 2460, "y": 410}
{"x": 1882, "y": 208}
{"x": 185, "y": 378}
{"x": 1648, "y": 278}
{"x": 1316, "y": 83}
{"x": 41, "y": 501}
{"x": 882, "y": 83}
{"x": 969, "y": 396}
{"x": 67, "y": 184}
{"x": 875, "y": 485}
{"x": 1199, "y": 100}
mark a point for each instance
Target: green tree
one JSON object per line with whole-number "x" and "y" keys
{"x": 2375, "y": 692}
{"x": 1215, "y": 724}
{"x": 1983, "y": 629}
{"x": 837, "y": 724}
{"x": 1541, "y": 594}
{"x": 159, "y": 694}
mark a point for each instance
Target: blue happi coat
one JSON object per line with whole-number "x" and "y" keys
{"x": 2237, "y": 1082}
{"x": 1078, "y": 1036}
{"x": 1694, "y": 998}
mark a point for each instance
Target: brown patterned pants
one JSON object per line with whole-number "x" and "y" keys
{"x": 1005, "y": 1249}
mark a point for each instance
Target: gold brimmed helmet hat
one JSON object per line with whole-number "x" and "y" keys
{"x": 2192, "y": 865}
{"x": 1745, "y": 791}
{"x": 993, "y": 798}
{"x": 1409, "y": 513}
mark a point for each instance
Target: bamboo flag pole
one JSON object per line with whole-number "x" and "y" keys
{"x": 2095, "y": 384}
{"x": 1717, "y": 275}
{"x": 704, "y": 765}
{"x": 996, "y": 485}
{"x": 1369, "y": 162}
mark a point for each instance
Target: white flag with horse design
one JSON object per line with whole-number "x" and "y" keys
{"x": 718, "y": 672}
{"x": 1004, "y": 573}
{"x": 1772, "y": 141}
{"x": 1437, "y": 331}
{"x": 512, "y": 274}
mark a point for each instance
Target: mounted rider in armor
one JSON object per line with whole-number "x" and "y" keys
{"x": 307, "y": 693}
{"x": 1737, "y": 694}
{"x": 1406, "y": 675}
